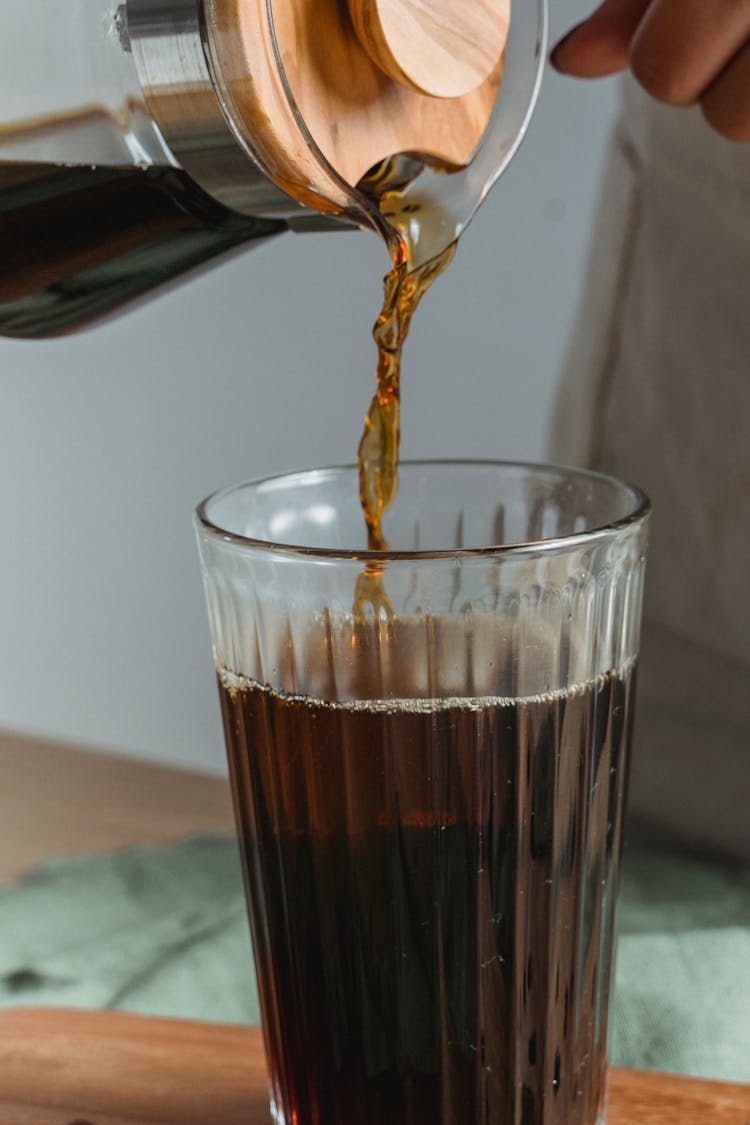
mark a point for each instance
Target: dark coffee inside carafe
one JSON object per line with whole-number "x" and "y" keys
{"x": 77, "y": 241}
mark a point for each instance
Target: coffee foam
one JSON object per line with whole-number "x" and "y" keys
{"x": 235, "y": 684}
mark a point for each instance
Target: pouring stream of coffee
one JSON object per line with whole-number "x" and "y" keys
{"x": 379, "y": 448}
{"x": 421, "y": 232}
{"x": 378, "y": 451}
{"x": 421, "y": 211}
{"x": 421, "y": 206}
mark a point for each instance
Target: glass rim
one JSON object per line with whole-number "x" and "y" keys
{"x": 639, "y": 511}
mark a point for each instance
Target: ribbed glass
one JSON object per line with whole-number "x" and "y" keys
{"x": 429, "y": 788}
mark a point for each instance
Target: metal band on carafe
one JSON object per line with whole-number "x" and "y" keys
{"x": 171, "y": 50}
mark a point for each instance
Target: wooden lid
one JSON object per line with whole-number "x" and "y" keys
{"x": 444, "y": 48}
{"x": 365, "y": 88}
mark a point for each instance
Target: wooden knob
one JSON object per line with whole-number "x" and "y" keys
{"x": 443, "y": 48}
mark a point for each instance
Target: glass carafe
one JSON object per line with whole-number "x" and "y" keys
{"x": 127, "y": 160}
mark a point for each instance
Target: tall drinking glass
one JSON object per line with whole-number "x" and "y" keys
{"x": 428, "y": 750}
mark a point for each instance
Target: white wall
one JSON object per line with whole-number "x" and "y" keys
{"x": 108, "y": 439}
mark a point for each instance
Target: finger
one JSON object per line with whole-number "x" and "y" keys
{"x": 680, "y": 46}
{"x": 601, "y": 44}
{"x": 726, "y": 102}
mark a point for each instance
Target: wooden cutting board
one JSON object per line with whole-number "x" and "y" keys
{"x": 103, "y": 1068}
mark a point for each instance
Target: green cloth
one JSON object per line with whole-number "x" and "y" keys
{"x": 163, "y": 931}
{"x": 682, "y": 980}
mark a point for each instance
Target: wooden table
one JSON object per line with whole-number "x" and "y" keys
{"x": 104, "y": 1068}
{"x": 59, "y": 800}
{"x": 96, "y": 1068}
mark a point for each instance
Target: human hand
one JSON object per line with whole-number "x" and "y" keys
{"x": 682, "y": 52}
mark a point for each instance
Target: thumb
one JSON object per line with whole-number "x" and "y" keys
{"x": 600, "y": 45}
